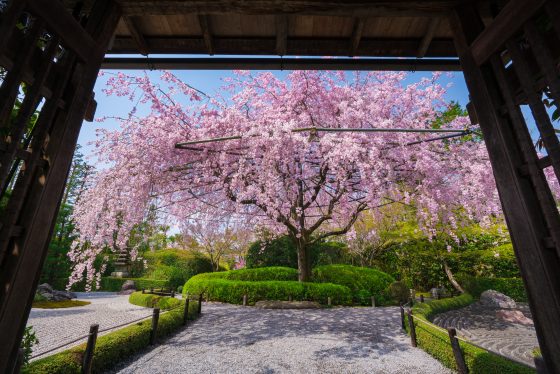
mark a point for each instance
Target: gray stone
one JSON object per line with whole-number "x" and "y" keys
{"x": 128, "y": 285}
{"x": 278, "y": 304}
{"x": 495, "y": 299}
{"x": 51, "y": 294}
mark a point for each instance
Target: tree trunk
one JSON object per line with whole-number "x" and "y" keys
{"x": 451, "y": 278}
{"x": 304, "y": 267}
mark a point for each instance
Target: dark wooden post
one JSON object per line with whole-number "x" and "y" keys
{"x": 186, "y": 312}
{"x": 153, "y": 332}
{"x": 373, "y": 301}
{"x": 90, "y": 348}
{"x": 245, "y": 300}
{"x": 200, "y": 304}
{"x": 457, "y": 352}
{"x": 421, "y": 298}
{"x": 143, "y": 290}
{"x": 402, "y": 317}
{"x": 412, "y": 328}
{"x": 31, "y": 211}
{"x": 527, "y": 201}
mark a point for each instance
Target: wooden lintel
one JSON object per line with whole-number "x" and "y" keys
{"x": 428, "y": 36}
{"x": 354, "y": 8}
{"x": 255, "y": 63}
{"x": 507, "y": 23}
{"x": 295, "y": 46}
{"x": 204, "y": 22}
{"x": 281, "y": 34}
{"x": 136, "y": 35}
{"x": 359, "y": 24}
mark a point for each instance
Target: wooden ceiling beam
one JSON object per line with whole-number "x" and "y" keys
{"x": 136, "y": 35}
{"x": 281, "y": 35}
{"x": 359, "y": 24}
{"x": 204, "y": 22}
{"x": 428, "y": 36}
{"x": 353, "y": 8}
{"x": 255, "y": 63}
{"x": 295, "y": 46}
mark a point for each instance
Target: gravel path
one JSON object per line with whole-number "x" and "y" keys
{"x": 483, "y": 326}
{"x": 235, "y": 339}
{"x": 57, "y": 326}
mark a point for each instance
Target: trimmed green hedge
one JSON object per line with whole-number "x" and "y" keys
{"x": 113, "y": 347}
{"x": 153, "y": 301}
{"x": 437, "y": 344}
{"x": 512, "y": 287}
{"x": 114, "y": 284}
{"x": 273, "y": 273}
{"x": 362, "y": 282}
{"x": 232, "y": 291}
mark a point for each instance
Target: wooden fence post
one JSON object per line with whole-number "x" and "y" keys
{"x": 373, "y": 301}
{"x": 402, "y": 317}
{"x": 143, "y": 290}
{"x": 329, "y": 301}
{"x": 459, "y": 359}
{"x": 289, "y": 297}
{"x": 245, "y": 300}
{"x": 412, "y": 328}
{"x": 90, "y": 348}
{"x": 200, "y": 304}
{"x": 421, "y": 298}
{"x": 153, "y": 333}
{"x": 186, "y": 312}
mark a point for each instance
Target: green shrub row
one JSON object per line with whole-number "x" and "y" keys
{"x": 513, "y": 287}
{"x": 273, "y": 273}
{"x": 113, "y": 347}
{"x": 232, "y": 291}
{"x": 153, "y": 301}
{"x": 362, "y": 282}
{"x": 437, "y": 343}
{"x": 114, "y": 284}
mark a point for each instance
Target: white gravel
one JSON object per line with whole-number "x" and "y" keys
{"x": 57, "y": 326}
{"x": 235, "y": 339}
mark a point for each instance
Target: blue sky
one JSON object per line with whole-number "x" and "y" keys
{"x": 211, "y": 80}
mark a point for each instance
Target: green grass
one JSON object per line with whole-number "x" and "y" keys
{"x": 59, "y": 304}
{"x": 153, "y": 301}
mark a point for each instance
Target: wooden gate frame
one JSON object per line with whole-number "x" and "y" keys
{"x": 497, "y": 88}
{"x": 63, "y": 74}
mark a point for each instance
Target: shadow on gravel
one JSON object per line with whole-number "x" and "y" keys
{"x": 365, "y": 331}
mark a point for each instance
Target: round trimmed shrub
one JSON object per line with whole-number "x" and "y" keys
{"x": 362, "y": 282}
{"x": 398, "y": 291}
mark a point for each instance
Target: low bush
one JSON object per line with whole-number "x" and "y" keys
{"x": 153, "y": 301}
{"x": 437, "y": 343}
{"x": 114, "y": 284}
{"x": 362, "y": 282}
{"x": 176, "y": 265}
{"x": 276, "y": 273}
{"x": 399, "y": 292}
{"x": 512, "y": 287}
{"x": 113, "y": 347}
{"x": 232, "y": 291}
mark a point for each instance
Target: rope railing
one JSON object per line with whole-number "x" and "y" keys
{"x": 111, "y": 328}
{"x": 453, "y": 335}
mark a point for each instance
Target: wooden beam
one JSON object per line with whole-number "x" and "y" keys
{"x": 507, "y": 23}
{"x": 218, "y": 63}
{"x": 281, "y": 34}
{"x": 428, "y": 36}
{"x": 295, "y": 46}
{"x": 204, "y": 22}
{"x": 63, "y": 24}
{"x": 136, "y": 35}
{"x": 359, "y": 24}
{"x": 353, "y": 8}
